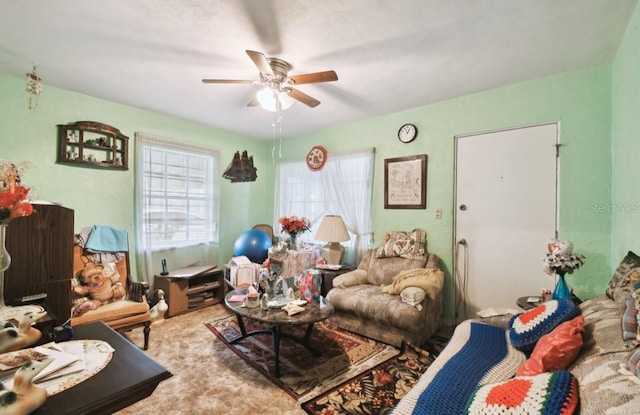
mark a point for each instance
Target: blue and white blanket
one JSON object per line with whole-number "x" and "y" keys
{"x": 477, "y": 354}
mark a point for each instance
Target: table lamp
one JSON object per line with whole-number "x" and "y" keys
{"x": 333, "y": 231}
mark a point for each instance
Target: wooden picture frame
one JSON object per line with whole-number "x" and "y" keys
{"x": 405, "y": 182}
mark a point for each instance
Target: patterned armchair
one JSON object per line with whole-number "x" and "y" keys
{"x": 127, "y": 307}
{"x": 395, "y": 294}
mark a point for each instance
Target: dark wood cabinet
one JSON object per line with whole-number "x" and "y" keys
{"x": 41, "y": 249}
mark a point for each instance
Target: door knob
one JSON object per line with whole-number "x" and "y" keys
{"x": 463, "y": 207}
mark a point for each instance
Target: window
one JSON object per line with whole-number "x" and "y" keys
{"x": 177, "y": 200}
{"x": 343, "y": 187}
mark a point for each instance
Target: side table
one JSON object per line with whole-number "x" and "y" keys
{"x": 328, "y": 275}
{"x": 529, "y": 302}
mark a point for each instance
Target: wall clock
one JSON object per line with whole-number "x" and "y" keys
{"x": 407, "y": 133}
{"x": 316, "y": 158}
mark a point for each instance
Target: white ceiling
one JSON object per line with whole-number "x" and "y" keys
{"x": 389, "y": 55}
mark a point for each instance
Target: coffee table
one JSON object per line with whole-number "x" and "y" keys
{"x": 277, "y": 319}
{"x": 130, "y": 376}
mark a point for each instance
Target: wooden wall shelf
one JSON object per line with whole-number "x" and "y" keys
{"x": 93, "y": 144}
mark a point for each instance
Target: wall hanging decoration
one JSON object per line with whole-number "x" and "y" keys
{"x": 93, "y": 144}
{"x": 316, "y": 158}
{"x": 405, "y": 182}
{"x": 241, "y": 169}
{"x": 34, "y": 88}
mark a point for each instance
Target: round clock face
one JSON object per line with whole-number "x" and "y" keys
{"x": 407, "y": 133}
{"x": 316, "y": 158}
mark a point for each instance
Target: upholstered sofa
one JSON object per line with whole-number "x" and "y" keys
{"x": 379, "y": 300}
{"x": 604, "y": 376}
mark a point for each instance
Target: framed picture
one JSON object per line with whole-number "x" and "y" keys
{"x": 405, "y": 182}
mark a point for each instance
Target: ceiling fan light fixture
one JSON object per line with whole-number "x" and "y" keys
{"x": 285, "y": 100}
{"x": 268, "y": 98}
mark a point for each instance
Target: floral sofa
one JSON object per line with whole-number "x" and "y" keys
{"x": 603, "y": 378}
{"x": 395, "y": 294}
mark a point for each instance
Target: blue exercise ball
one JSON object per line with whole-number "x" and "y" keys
{"x": 254, "y": 244}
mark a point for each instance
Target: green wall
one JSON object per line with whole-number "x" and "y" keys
{"x": 102, "y": 196}
{"x": 580, "y": 101}
{"x": 624, "y": 209}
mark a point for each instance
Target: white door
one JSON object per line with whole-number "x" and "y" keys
{"x": 505, "y": 213}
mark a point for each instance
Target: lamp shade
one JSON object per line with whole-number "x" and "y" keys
{"x": 332, "y": 229}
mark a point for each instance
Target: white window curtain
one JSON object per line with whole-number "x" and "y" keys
{"x": 343, "y": 187}
{"x": 177, "y": 204}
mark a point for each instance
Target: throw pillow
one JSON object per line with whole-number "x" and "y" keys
{"x": 623, "y": 279}
{"x": 630, "y": 322}
{"x": 408, "y": 245}
{"x": 413, "y": 296}
{"x": 546, "y": 393}
{"x": 631, "y": 362}
{"x": 528, "y": 327}
{"x": 556, "y": 350}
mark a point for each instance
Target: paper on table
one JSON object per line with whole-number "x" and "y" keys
{"x": 60, "y": 360}
{"x": 237, "y": 298}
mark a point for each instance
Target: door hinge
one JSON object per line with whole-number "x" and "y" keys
{"x": 557, "y": 146}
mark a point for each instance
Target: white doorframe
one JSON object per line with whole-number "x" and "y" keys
{"x": 533, "y": 278}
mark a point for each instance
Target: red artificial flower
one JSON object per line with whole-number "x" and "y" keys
{"x": 13, "y": 203}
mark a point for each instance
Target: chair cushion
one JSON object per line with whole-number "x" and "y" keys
{"x": 383, "y": 270}
{"x": 112, "y": 311}
{"x": 370, "y": 303}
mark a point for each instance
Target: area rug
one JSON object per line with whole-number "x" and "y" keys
{"x": 304, "y": 375}
{"x": 379, "y": 389}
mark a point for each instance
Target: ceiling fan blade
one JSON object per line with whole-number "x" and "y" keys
{"x": 226, "y": 81}
{"x": 326, "y": 76}
{"x": 302, "y": 97}
{"x": 261, "y": 62}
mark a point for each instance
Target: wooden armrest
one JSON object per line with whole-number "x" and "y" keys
{"x": 137, "y": 291}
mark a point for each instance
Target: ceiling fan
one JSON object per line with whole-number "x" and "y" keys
{"x": 278, "y": 86}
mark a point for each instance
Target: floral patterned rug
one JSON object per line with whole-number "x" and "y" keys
{"x": 304, "y": 376}
{"x": 379, "y": 389}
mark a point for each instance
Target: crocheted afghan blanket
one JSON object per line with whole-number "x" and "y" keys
{"x": 477, "y": 354}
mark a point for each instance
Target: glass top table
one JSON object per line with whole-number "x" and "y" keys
{"x": 278, "y": 318}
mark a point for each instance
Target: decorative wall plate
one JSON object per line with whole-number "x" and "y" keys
{"x": 316, "y": 158}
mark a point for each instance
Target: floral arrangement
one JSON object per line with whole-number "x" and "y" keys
{"x": 13, "y": 195}
{"x": 560, "y": 258}
{"x": 293, "y": 225}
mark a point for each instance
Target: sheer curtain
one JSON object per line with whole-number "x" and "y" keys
{"x": 177, "y": 204}
{"x": 343, "y": 187}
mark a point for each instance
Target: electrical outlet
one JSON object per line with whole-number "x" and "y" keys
{"x": 438, "y": 213}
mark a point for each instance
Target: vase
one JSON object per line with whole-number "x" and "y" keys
{"x": 292, "y": 241}
{"x": 5, "y": 260}
{"x": 562, "y": 290}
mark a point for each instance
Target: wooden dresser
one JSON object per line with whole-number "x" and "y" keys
{"x": 41, "y": 249}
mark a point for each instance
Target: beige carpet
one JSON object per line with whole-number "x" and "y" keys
{"x": 208, "y": 378}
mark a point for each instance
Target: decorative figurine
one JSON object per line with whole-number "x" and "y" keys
{"x": 16, "y": 338}
{"x": 158, "y": 310}
{"x": 24, "y": 397}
